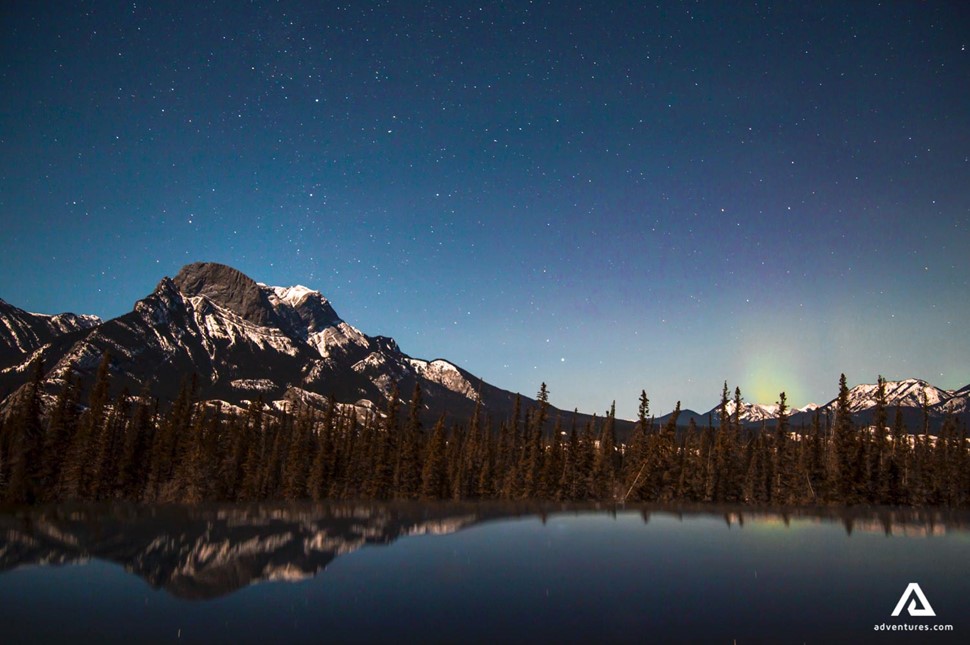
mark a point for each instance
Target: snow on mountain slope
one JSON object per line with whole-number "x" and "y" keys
{"x": 291, "y": 296}
{"x": 237, "y": 340}
{"x": 444, "y": 373}
{"x": 22, "y": 332}
{"x": 906, "y": 393}
{"x": 218, "y": 324}
{"x": 959, "y": 402}
{"x": 750, "y": 412}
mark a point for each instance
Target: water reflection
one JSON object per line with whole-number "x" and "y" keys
{"x": 207, "y": 552}
{"x": 909, "y": 522}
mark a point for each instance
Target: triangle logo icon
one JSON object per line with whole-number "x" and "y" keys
{"x": 924, "y": 608}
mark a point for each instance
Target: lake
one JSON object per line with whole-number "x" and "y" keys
{"x": 360, "y": 572}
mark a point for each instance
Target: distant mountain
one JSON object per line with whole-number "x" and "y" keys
{"x": 22, "y": 332}
{"x": 242, "y": 339}
{"x": 907, "y": 394}
{"x": 959, "y": 402}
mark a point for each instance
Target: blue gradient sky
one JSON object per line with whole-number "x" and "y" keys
{"x": 604, "y": 196}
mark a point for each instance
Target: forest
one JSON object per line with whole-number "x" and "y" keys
{"x": 128, "y": 448}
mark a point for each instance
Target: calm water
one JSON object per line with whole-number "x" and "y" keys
{"x": 475, "y": 573}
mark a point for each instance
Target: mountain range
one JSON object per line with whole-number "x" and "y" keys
{"x": 908, "y": 394}
{"x": 244, "y": 339}
{"x": 241, "y": 339}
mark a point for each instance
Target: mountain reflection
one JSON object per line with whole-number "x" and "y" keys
{"x": 206, "y": 552}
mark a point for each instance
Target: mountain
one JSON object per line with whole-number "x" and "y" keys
{"x": 22, "y": 332}
{"x": 242, "y": 339}
{"x": 907, "y": 394}
{"x": 959, "y": 402}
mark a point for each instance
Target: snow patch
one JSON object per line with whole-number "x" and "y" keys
{"x": 253, "y": 384}
{"x": 292, "y": 296}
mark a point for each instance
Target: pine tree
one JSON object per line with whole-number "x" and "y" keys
{"x": 407, "y": 476}
{"x": 132, "y": 471}
{"x": 386, "y": 451}
{"x": 583, "y": 488}
{"x": 879, "y": 457}
{"x": 635, "y": 462}
{"x": 568, "y": 480}
{"x": 297, "y": 464}
{"x": 279, "y": 433}
{"x": 783, "y": 463}
{"x": 552, "y": 465}
{"x": 510, "y": 453}
{"x": 530, "y": 462}
{"x": 434, "y": 473}
{"x": 61, "y": 430}
{"x": 253, "y": 451}
{"x": 667, "y": 457}
{"x": 899, "y": 461}
{"x": 26, "y": 442}
{"x": 604, "y": 463}
{"x": 108, "y": 445}
{"x": 689, "y": 481}
{"x": 324, "y": 462}
{"x": 727, "y": 478}
{"x": 845, "y": 447}
{"x": 75, "y": 477}
{"x": 170, "y": 440}
{"x": 485, "y": 486}
{"x": 193, "y": 486}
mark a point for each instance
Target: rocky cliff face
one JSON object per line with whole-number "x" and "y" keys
{"x": 242, "y": 339}
{"x": 22, "y": 332}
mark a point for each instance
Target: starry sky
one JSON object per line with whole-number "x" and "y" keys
{"x": 605, "y": 196}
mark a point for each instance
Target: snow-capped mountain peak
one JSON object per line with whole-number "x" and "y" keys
{"x": 243, "y": 339}
{"x": 752, "y": 412}
{"x": 911, "y": 392}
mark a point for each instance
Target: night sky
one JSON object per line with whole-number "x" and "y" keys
{"x": 604, "y": 196}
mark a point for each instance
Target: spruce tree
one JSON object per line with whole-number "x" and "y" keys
{"x": 75, "y": 477}
{"x": 845, "y": 447}
{"x": 604, "y": 463}
{"x": 26, "y": 442}
{"x": 324, "y": 462}
{"x": 297, "y": 464}
{"x": 135, "y": 444}
{"x": 434, "y": 472}
{"x": 252, "y": 452}
{"x": 879, "y": 455}
{"x": 407, "y": 476}
{"x": 60, "y": 432}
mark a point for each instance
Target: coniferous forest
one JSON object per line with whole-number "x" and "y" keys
{"x": 129, "y": 448}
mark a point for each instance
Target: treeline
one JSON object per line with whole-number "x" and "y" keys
{"x": 127, "y": 448}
